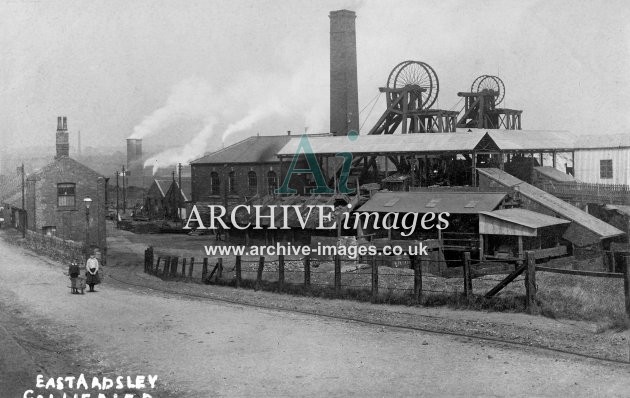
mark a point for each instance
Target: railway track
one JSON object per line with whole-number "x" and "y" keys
{"x": 495, "y": 340}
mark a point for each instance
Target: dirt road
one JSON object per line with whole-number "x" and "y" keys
{"x": 201, "y": 348}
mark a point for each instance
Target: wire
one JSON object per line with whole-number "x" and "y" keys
{"x": 368, "y": 115}
{"x": 368, "y": 104}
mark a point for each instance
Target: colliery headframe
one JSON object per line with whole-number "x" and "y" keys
{"x": 413, "y": 88}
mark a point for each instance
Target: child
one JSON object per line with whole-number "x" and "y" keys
{"x": 74, "y": 271}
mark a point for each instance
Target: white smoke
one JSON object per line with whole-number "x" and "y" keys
{"x": 192, "y": 98}
{"x": 184, "y": 154}
{"x": 263, "y": 96}
{"x": 255, "y": 115}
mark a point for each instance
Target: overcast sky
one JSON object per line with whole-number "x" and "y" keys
{"x": 208, "y": 73}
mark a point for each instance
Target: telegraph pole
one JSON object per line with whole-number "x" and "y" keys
{"x": 117, "y": 203}
{"x": 23, "y": 205}
{"x": 179, "y": 194}
{"x": 124, "y": 190}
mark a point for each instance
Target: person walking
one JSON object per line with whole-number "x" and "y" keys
{"x": 91, "y": 272}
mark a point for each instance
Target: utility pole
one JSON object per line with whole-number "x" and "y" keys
{"x": 179, "y": 194}
{"x": 23, "y": 205}
{"x": 117, "y": 204}
{"x": 124, "y": 190}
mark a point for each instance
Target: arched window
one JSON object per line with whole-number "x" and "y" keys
{"x": 252, "y": 182}
{"x": 272, "y": 182}
{"x": 232, "y": 182}
{"x": 215, "y": 183}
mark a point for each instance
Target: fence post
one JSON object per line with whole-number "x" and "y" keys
{"x": 150, "y": 259}
{"x": 167, "y": 267}
{"x": 374, "y": 279}
{"x": 626, "y": 283}
{"x": 259, "y": 274}
{"x": 220, "y": 270}
{"x": 184, "y": 267}
{"x": 157, "y": 266}
{"x": 204, "y": 269}
{"x": 416, "y": 264}
{"x": 307, "y": 272}
{"x": 337, "y": 261}
{"x": 190, "y": 267}
{"x": 530, "y": 283}
{"x": 237, "y": 270}
{"x": 467, "y": 276}
{"x": 174, "y": 266}
{"x": 281, "y": 269}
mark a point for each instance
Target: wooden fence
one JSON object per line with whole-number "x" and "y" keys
{"x": 172, "y": 267}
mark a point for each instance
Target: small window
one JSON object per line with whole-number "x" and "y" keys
{"x": 272, "y": 181}
{"x": 232, "y": 182}
{"x": 215, "y": 183}
{"x": 252, "y": 182}
{"x": 66, "y": 195}
{"x": 605, "y": 168}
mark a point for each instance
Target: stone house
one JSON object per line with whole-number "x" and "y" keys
{"x": 56, "y": 196}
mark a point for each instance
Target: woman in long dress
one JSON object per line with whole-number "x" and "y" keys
{"x": 91, "y": 272}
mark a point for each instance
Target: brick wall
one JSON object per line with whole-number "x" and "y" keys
{"x": 70, "y": 222}
{"x": 202, "y": 188}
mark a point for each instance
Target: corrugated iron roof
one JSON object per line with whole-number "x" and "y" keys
{"x": 603, "y": 141}
{"x": 557, "y": 205}
{"x": 532, "y": 140}
{"x": 433, "y": 202}
{"x": 257, "y": 149}
{"x": 388, "y": 143}
{"x": 621, "y": 209}
{"x": 554, "y": 174}
{"x": 525, "y": 217}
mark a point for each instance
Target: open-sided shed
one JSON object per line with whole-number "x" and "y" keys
{"x": 510, "y": 232}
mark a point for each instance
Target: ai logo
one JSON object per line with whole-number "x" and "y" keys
{"x": 304, "y": 147}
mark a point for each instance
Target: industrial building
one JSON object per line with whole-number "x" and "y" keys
{"x": 416, "y": 154}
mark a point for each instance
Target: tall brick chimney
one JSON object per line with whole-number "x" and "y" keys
{"x": 344, "y": 95}
{"x": 135, "y": 165}
{"x": 62, "y": 142}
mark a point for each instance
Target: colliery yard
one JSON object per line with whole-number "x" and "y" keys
{"x": 537, "y": 221}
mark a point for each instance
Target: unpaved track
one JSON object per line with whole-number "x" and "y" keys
{"x": 202, "y": 348}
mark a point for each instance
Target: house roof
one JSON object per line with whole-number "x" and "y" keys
{"x": 186, "y": 187}
{"x": 554, "y": 174}
{"x": 162, "y": 185}
{"x": 525, "y": 217}
{"x": 433, "y": 202}
{"x": 557, "y": 205}
{"x": 256, "y": 149}
{"x": 61, "y": 165}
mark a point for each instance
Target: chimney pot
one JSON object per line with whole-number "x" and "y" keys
{"x": 61, "y": 140}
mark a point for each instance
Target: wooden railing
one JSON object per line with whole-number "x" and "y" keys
{"x": 589, "y": 192}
